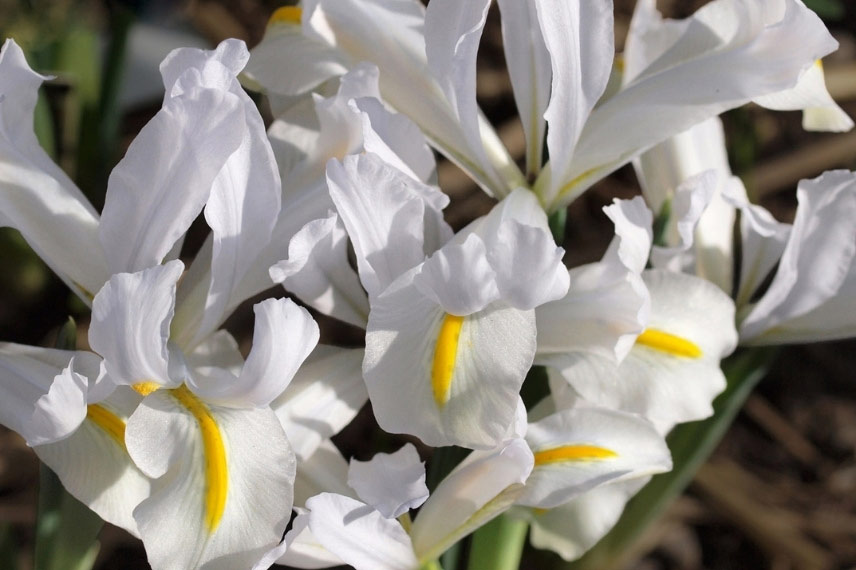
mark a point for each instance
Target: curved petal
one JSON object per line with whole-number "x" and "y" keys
{"x": 571, "y": 529}
{"x": 324, "y": 396}
{"x": 219, "y": 499}
{"x": 302, "y": 549}
{"x": 447, "y": 380}
{"x": 728, "y": 54}
{"x": 392, "y": 35}
{"x": 481, "y": 487}
{"x": 690, "y": 201}
{"x": 94, "y": 466}
{"x": 36, "y": 197}
{"x": 453, "y": 31}
{"x": 360, "y": 535}
{"x": 383, "y": 211}
{"x": 184, "y": 146}
{"x": 820, "y": 112}
{"x": 633, "y": 233}
{"x": 672, "y": 373}
{"x": 316, "y": 60}
{"x": 241, "y": 211}
{"x": 817, "y": 258}
{"x": 530, "y": 72}
{"x": 318, "y": 272}
{"x": 392, "y": 483}
{"x": 130, "y": 324}
{"x": 664, "y": 167}
{"x": 44, "y": 391}
{"x": 763, "y": 239}
{"x": 580, "y": 449}
{"x": 604, "y": 311}
{"x": 528, "y": 265}
{"x": 458, "y": 278}
{"x": 283, "y": 337}
{"x": 579, "y": 37}
{"x": 323, "y": 471}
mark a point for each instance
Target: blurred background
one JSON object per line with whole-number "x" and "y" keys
{"x": 780, "y": 490}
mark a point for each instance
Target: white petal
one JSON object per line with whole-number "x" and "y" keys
{"x": 383, "y": 215}
{"x": 44, "y": 391}
{"x": 820, "y": 112}
{"x": 397, "y": 140}
{"x": 480, "y": 488}
{"x": 392, "y": 483}
{"x": 728, "y": 54}
{"x": 219, "y": 500}
{"x": 325, "y": 470}
{"x": 571, "y": 529}
{"x": 184, "y": 146}
{"x": 529, "y": 69}
{"x": 763, "y": 239}
{"x": 633, "y": 234}
{"x": 579, "y": 37}
{"x": 605, "y": 309}
{"x": 220, "y": 350}
{"x": 607, "y": 304}
{"x": 303, "y": 549}
{"x": 283, "y": 337}
{"x": 360, "y": 535}
{"x": 452, "y": 33}
{"x": 241, "y": 211}
{"x": 317, "y": 271}
{"x": 389, "y": 34}
{"x": 580, "y": 449}
{"x": 458, "y": 278}
{"x": 665, "y": 383}
{"x": 690, "y": 201}
{"x": 36, "y": 197}
{"x": 94, "y": 466}
{"x": 529, "y": 268}
{"x": 324, "y": 396}
{"x": 817, "y": 258}
{"x": 130, "y": 324}
{"x": 309, "y": 62}
{"x": 472, "y": 397}
{"x": 664, "y": 167}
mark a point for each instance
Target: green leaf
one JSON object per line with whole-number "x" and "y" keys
{"x": 65, "y": 529}
{"x": 691, "y": 444}
{"x": 827, "y": 9}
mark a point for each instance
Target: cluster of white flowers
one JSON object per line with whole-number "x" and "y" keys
{"x": 165, "y": 430}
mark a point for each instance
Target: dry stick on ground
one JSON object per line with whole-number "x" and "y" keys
{"x": 733, "y": 492}
{"x": 808, "y": 162}
{"x": 768, "y": 418}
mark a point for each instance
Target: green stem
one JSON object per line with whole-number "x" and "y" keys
{"x": 8, "y": 552}
{"x": 557, "y": 221}
{"x": 431, "y": 565}
{"x": 498, "y": 545}
{"x": 691, "y": 444}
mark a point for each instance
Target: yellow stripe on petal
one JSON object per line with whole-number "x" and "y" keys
{"x": 445, "y": 354}
{"x": 110, "y": 423}
{"x": 214, "y": 452}
{"x": 573, "y": 453}
{"x": 666, "y": 342}
{"x": 287, "y": 15}
{"x": 145, "y": 388}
